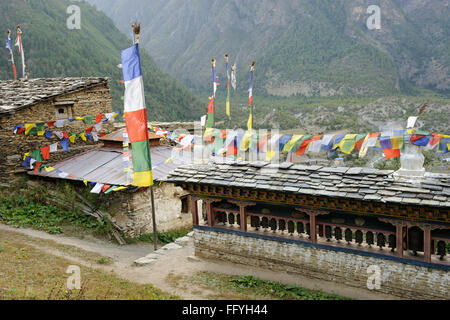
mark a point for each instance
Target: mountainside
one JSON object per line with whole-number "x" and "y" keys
{"x": 52, "y": 50}
{"x": 302, "y": 47}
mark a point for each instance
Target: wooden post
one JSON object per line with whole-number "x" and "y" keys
{"x": 209, "y": 213}
{"x": 427, "y": 243}
{"x": 312, "y": 227}
{"x": 242, "y": 212}
{"x": 155, "y": 238}
{"x": 194, "y": 209}
{"x": 399, "y": 234}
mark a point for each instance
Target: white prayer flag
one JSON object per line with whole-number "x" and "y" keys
{"x": 203, "y": 120}
{"x": 97, "y": 189}
{"x": 59, "y": 134}
{"x": 411, "y": 122}
{"x": 59, "y": 123}
{"x": 327, "y": 138}
{"x": 63, "y": 174}
{"x": 315, "y": 146}
{"x": 53, "y": 147}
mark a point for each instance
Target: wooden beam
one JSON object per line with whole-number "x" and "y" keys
{"x": 427, "y": 244}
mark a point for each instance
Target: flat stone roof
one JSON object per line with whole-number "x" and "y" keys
{"x": 17, "y": 94}
{"x": 341, "y": 182}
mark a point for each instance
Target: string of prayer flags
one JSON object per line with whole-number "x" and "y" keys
{"x": 316, "y": 144}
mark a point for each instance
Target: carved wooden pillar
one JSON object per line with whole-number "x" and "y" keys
{"x": 243, "y": 212}
{"x": 243, "y": 216}
{"x": 194, "y": 209}
{"x": 312, "y": 221}
{"x": 427, "y": 243}
{"x": 399, "y": 242}
{"x": 209, "y": 209}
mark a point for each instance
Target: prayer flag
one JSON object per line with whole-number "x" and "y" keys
{"x": 136, "y": 117}
{"x": 45, "y": 152}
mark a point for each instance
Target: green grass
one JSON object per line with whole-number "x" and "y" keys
{"x": 249, "y": 287}
{"x": 26, "y": 206}
{"x": 163, "y": 237}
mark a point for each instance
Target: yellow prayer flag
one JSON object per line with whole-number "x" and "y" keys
{"x": 83, "y": 137}
{"x": 28, "y": 127}
{"x": 41, "y": 133}
{"x": 120, "y": 188}
{"x": 49, "y": 169}
{"x": 291, "y": 143}
{"x": 397, "y": 142}
{"x": 250, "y": 122}
{"x": 245, "y": 143}
{"x": 85, "y": 182}
{"x": 79, "y": 118}
{"x": 208, "y": 132}
{"x": 72, "y": 138}
{"x": 270, "y": 154}
{"x": 347, "y": 144}
{"x": 26, "y": 155}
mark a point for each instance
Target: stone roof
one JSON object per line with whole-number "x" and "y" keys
{"x": 341, "y": 182}
{"x": 16, "y": 94}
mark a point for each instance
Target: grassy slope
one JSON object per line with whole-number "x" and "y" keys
{"x": 52, "y": 50}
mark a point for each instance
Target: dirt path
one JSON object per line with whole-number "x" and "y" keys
{"x": 171, "y": 270}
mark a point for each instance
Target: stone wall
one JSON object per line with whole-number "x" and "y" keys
{"x": 135, "y": 216}
{"x": 404, "y": 280}
{"x": 90, "y": 101}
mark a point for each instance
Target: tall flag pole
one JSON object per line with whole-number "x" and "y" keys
{"x": 228, "y": 111}
{"x": 8, "y": 46}
{"x": 250, "y": 97}
{"x": 210, "y": 121}
{"x": 136, "y": 119}
{"x": 21, "y": 52}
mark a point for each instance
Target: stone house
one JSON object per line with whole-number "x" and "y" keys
{"x": 130, "y": 209}
{"x": 43, "y": 100}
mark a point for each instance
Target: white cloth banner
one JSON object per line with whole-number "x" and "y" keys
{"x": 98, "y": 126}
{"x": 63, "y": 174}
{"x": 53, "y": 147}
{"x": 315, "y": 146}
{"x": 97, "y": 189}
{"x": 411, "y": 122}
{"x": 59, "y": 123}
{"x": 59, "y": 134}
{"x": 327, "y": 138}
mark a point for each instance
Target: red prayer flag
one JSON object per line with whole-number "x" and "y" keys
{"x": 89, "y": 130}
{"x": 65, "y": 135}
{"x": 45, "y": 152}
{"x": 98, "y": 117}
{"x": 50, "y": 124}
{"x": 303, "y": 147}
{"x": 37, "y": 165}
{"x": 106, "y": 187}
{"x": 391, "y": 153}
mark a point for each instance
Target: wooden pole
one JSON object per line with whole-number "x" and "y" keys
{"x": 155, "y": 237}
